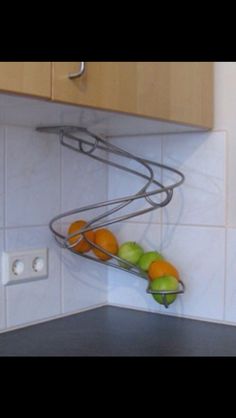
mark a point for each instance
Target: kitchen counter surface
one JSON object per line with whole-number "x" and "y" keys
{"x": 111, "y": 331}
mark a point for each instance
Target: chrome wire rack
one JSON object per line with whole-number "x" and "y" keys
{"x": 95, "y": 146}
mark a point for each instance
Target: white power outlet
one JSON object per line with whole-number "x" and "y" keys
{"x": 24, "y": 266}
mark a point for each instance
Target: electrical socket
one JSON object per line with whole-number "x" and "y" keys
{"x": 24, "y": 266}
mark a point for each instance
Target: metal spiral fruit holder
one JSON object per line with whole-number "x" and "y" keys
{"x": 95, "y": 146}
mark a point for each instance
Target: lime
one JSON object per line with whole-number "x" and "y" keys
{"x": 164, "y": 283}
{"x": 147, "y": 258}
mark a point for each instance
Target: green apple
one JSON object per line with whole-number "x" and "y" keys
{"x": 164, "y": 283}
{"x": 147, "y": 258}
{"x": 131, "y": 252}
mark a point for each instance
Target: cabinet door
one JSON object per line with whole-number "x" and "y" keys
{"x": 174, "y": 91}
{"x": 31, "y": 78}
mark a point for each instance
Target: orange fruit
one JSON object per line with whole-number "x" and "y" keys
{"x": 83, "y": 246}
{"x": 106, "y": 240}
{"x": 162, "y": 268}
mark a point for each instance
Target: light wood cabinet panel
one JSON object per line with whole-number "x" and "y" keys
{"x": 180, "y": 92}
{"x": 30, "y": 78}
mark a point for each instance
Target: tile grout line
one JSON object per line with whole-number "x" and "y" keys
{"x": 225, "y": 275}
{"x": 4, "y": 218}
{"x": 226, "y": 183}
{"x": 130, "y": 221}
{"x": 26, "y": 226}
{"x": 194, "y": 225}
{"x": 177, "y": 224}
{"x": 60, "y": 249}
{"x": 226, "y": 194}
{"x": 107, "y": 196}
{"x": 5, "y": 179}
{"x": 162, "y": 177}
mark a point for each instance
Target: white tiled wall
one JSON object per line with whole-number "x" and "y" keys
{"x": 224, "y": 114}
{"x": 37, "y": 181}
{"x": 32, "y": 176}
{"x": 191, "y": 229}
{"x": 2, "y": 290}
{"x": 201, "y": 157}
{"x": 199, "y": 255}
{"x": 121, "y": 184}
{"x": 84, "y": 182}
{"x": 230, "y": 296}
{"x": 2, "y": 165}
{"x": 84, "y": 284}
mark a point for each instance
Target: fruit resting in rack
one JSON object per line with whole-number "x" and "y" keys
{"x": 106, "y": 240}
{"x": 94, "y": 146}
{"x": 83, "y": 246}
{"x": 164, "y": 283}
{"x": 147, "y": 259}
{"x": 162, "y": 268}
{"x": 162, "y": 275}
{"x": 130, "y": 251}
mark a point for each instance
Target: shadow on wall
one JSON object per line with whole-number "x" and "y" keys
{"x": 166, "y": 236}
{"x": 200, "y": 200}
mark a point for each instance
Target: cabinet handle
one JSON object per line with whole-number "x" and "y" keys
{"x": 79, "y": 73}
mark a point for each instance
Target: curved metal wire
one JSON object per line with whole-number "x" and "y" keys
{"x": 92, "y": 148}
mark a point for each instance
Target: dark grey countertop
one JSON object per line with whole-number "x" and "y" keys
{"x": 111, "y": 331}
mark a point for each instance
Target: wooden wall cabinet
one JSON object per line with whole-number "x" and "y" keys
{"x": 179, "y": 92}
{"x": 26, "y": 78}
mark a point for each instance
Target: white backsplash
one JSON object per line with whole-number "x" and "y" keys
{"x": 199, "y": 255}
{"x": 2, "y": 175}
{"x": 37, "y": 181}
{"x": 191, "y": 229}
{"x": 32, "y": 177}
{"x": 41, "y": 179}
{"x": 201, "y": 157}
{"x": 2, "y": 289}
{"x": 230, "y": 284}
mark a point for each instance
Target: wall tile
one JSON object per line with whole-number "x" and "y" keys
{"x": 224, "y": 119}
{"x": 201, "y": 158}
{"x": 33, "y": 177}
{"x": 199, "y": 255}
{"x": 33, "y": 301}
{"x": 84, "y": 182}
{"x": 124, "y": 288}
{"x": 224, "y": 95}
{"x": 2, "y": 292}
{"x": 84, "y": 282}
{"x": 2, "y": 176}
{"x": 123, "y": 184}
{"x": 230, "y": 300}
